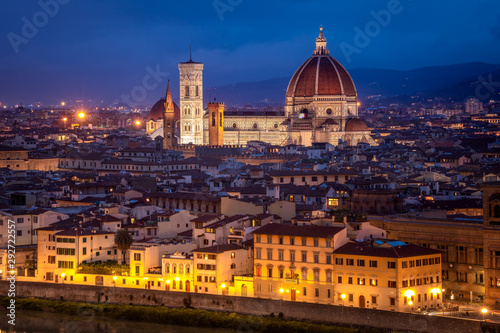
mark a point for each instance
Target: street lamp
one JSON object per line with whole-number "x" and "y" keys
{"x": 114, "y": 280}
{"x": 409, "y": 294}
{"x": 81, "y": 115}
{"x": 63, "y": 275}
{"x": 484, "y": 311}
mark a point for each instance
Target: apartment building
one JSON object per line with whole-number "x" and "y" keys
{"x": 387, "y": 275}
{"x": 296, "y": 262}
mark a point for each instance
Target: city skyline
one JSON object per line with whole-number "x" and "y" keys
{"x": 101, "y": 51}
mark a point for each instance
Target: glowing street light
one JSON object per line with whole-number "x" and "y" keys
{"x": 282, "y": 290}
{"x": 81, "y": 115}
{"x": 137, "y": 122}
{"x": 484, "y": 311}
{"x": 223, "y": 285}
{"x": 63, "y": 103}
{"x": 63, "y": 275}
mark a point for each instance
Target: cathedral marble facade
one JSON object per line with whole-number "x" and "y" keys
{"x": 321, "y": 105}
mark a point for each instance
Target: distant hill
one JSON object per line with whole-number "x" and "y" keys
{"x": 453, "y": 82}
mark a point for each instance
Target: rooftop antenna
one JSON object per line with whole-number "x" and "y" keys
{"x": 190, "y": 58}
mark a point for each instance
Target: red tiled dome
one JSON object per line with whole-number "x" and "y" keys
{"x": 355, "y": 125}
{"x": 321, "y": 74}
{"x": 156, "y": 112}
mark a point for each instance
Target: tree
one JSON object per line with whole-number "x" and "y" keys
{"x": 123, "y": 241}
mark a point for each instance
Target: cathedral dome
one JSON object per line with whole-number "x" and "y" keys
{"x": 355, "y": 125}
{"x": 321, "y": 74}
{"x": 156, "y": 112}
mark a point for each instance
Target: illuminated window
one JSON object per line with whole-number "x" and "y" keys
{"x": 333, "y": 202}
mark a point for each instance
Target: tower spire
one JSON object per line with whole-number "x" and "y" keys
{"x": 321, "y": 44}
{"x": 169, "y": 105}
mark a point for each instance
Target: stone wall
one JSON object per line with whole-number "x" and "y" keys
{"x": 246, "y": 305}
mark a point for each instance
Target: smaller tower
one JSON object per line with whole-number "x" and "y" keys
{"x": 168, "y": 121}
{"x": 216, "y": 124}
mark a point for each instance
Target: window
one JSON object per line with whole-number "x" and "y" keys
{"x": 316, "y": 243}
{"x": 304, "y": 291}
{"x": 292, "y": 256}
{"x": 304, "y": 256}
{"x": 391, "y": 284}
{"x": 373, "y": 263}
{"x": 19, "y": 233}
{"x": 316, "y": 258}
{"x": 137, "y": 257}
{"x": 292, "y": 241}
{"x": 328, "y": 276}
{"x": 280, "y": 240}
{"x": 137, "y": 269}
{"x": 349, "y": 280}
{"x": 391, "y": 264}
{"x": 462, "y": 254}
{"x": 304, "y": 241}
{"x": 257, "y": 239}
{"x": 361, "y": 281}
{"x": 270, "y": 272}
{"x": 186, "y": 91}
{"x": 393, "y": 301}
{"x": 351, "y": 297}
{"x": 349, "y": 262}
{"x": 374, "y": 299}
{"x": 258, "y": 253}
{"x": 269, "y": 254}
{"x": 404, "y": 264}
{"x": 281, "y": 255}
{"x": 20, "y": 220}
{"x": 304, "y": 274}
{"x": 328, "y": 259}
{"x": 316, "y": 292}
{"x": 339, "y": 261}
{"x": 84, "y": 251}
{"x": 269, "y": 239}
{"x": 361, "y": 263}
{"x": 316, "y": 274}
{"x": 339, "y": 279}
{"x": 478, "y": 252}
{"x": 328, "y": 293}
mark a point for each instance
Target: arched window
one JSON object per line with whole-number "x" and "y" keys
{"x": 197, "y": 91}
{"x": 304, "y": 274}
{"x": 316, "y": 274}
{"x": 181, "y": 270}
{"x": 180, "y": 284}
{"x": 174, "y": 268}
{"x": 497, "y": 211}
{"x": 328, "y": 276}
{"x": 167, "y": 268}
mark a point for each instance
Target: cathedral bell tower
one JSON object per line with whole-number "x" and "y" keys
{"x": 191, "y": 102}
{"x": 168, "y": 121}
{"x": 216, "y": 124}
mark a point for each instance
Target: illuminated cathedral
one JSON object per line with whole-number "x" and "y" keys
{"x": 321, "y": 105}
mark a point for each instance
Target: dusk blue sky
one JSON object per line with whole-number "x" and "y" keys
{"x": 99, "y": 49}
